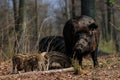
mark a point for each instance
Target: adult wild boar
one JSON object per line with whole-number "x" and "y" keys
{"x": 81, "y": 36}
{"x": 52, "y": 43}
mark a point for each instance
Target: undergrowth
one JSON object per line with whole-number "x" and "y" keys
{"x": 108, "y": 47}
{"x": 76, "y": 66}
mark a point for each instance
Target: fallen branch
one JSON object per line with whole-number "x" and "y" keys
{"x": 71, "y": 69}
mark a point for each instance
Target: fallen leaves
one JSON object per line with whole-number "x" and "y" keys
{"x": 109, "y": 70}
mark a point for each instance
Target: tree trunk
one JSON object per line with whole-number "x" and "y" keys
{"x": 115, "y": 33}
{"x": 103, "y": 22}
{"x": 16, "y": 24}
{"x": 36, "y": 17}
{"x": 23, "y": 39}
{"x": 35, "y": 32}
{"x": 73, "y": 8}
{"x": 67, "y": 2}
{"x": 21, "y": 14}
{"x": 103, "y": 26}
{"x": 19, "y": 18}
{"x": 88, "y": 8}
{"x": 117, "y": 40}
{"x": 109, "y": 10}
{"x": 15, "y": 15}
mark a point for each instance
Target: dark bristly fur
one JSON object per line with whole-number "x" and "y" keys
{"x": 52, "y": 43}
{"x": 81, "y": 36}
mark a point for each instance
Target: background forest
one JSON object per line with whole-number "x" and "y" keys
{"x": 24, "y": 22}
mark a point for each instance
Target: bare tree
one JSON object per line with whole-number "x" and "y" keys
{"x": 109, "y": 10}
{"x": 19, "y": 18}
{"x": 36, "y": 17}
{"x": 88, "y": 8}
{"x": 67, "y": 2}
{"x": 103, "y": 20}
{"x": 73, "y": 8}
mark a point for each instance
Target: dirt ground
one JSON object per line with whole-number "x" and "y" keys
{"x": 109, "y": 69}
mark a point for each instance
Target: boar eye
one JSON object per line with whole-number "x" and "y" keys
{"x": 77, "y": 36}
{"x": 93, "y": 26}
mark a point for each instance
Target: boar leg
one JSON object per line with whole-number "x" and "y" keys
{"x": 94, "y": 58}
{"x": 13, "y": 70}
{"x": 80, "y": 61}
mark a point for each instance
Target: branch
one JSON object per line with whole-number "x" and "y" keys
{"x": 114, "y": 26}
{"x": 71, "y": 69}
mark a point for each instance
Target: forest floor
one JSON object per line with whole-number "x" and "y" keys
{"x": 109, "y": 69}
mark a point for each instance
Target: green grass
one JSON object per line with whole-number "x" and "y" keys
{"x": 108, "y": 47}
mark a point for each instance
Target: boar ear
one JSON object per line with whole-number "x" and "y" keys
{"x": 93, "y": 26}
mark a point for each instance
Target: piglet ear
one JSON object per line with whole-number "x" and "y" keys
{"x": 93, "y": 26}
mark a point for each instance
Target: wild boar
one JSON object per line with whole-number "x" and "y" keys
{"x": 36, "y": 61}
{"x": 81, "y": 35}
{"x": 18, "y": 62}
{"x": 59, "y": 59}
{"x": 52, "y": 43}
